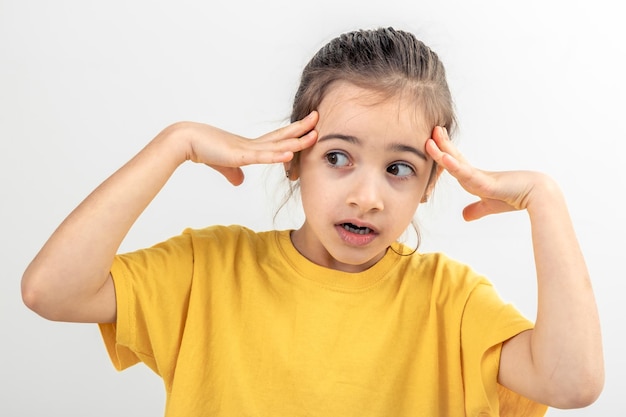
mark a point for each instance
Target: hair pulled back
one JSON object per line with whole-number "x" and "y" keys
{"x": 385, "y": 60}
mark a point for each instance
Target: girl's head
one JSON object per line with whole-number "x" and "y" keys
{"x": 379, "y": 95}
{"x": 387, "y": 61}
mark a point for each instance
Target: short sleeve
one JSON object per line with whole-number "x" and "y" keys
{"x": 487, "y": 323}
{"x": 152, "y": 289}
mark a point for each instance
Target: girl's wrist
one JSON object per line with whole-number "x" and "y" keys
{"x": 545, "y": 194}
{"x": 175, "y": 140}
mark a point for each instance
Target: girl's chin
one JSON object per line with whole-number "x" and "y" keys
{"x": 354, "y": 263}
{"x": 350, "y": 253}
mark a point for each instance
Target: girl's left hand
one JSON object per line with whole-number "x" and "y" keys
{"x": 559, "y": 362}
{"x": 498, "y": 191}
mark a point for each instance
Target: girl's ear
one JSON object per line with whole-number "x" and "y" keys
{"x": 431, "y": 183}
{"x": 291, "y": 169}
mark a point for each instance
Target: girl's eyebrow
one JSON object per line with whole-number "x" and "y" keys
{"x": 347, "y": 138}
{"x": 399, "y": 147}
{"x": 396, "y": 147}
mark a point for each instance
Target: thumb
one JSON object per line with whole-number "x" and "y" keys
{"x": 234, "y": 175}
{"x": 484, "y": 208}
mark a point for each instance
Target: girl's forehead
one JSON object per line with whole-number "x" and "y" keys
{"x": 344, "y": 91}
{"x": 345, "y": 103}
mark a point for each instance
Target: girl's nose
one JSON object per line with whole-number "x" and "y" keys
{"x": 366, "y": 193}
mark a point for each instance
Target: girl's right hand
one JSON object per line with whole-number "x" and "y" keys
{"x": 227, "y": 152}
{"x": 69, "y": 279}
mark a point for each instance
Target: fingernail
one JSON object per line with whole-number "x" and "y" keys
{"x": 310, "y": 115}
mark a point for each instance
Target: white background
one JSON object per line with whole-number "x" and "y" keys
{"x": 84, "y": 85}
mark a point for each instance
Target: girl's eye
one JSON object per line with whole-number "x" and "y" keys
{"x": 337, "y": 159}
{"x": 400, "y": 170}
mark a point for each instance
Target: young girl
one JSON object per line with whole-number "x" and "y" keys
{"x": 334, "y": 318}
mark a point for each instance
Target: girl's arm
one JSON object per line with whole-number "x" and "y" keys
{"x": 560, "y": 361}
{"x": 69, "y": 279}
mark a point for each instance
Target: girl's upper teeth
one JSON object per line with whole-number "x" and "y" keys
{"x": 356, "y": 229}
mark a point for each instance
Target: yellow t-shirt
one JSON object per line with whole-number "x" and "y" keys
{"x": 239, "y": 323}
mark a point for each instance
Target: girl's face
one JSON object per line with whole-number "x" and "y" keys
{"x": 362, "y": 181}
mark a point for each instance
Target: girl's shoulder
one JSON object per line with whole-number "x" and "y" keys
{"x": 441, "y": 270}
{"x": 226, "y": 233}
{"x": 231, "y": 238}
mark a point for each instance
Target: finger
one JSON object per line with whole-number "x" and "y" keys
{"x": 296, "y": 144}
{"x": 485, "y": 207}
{"x": 473, "y": 180}
{"x": 449, "y": 157}
{"x": 444, "y": 159}
{"x": 442, "y": 139}
{"x": 233, "y": 175}
{"x": 296, "y": 129}
{"x": 282, "y": 151}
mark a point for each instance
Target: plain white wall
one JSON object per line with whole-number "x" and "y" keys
{"x": 84, "y": 85}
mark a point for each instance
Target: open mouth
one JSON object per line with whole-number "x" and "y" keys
{"x": 352, "y": 228}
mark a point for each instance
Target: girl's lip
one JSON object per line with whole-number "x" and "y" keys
{"x": 355, "y": 239}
